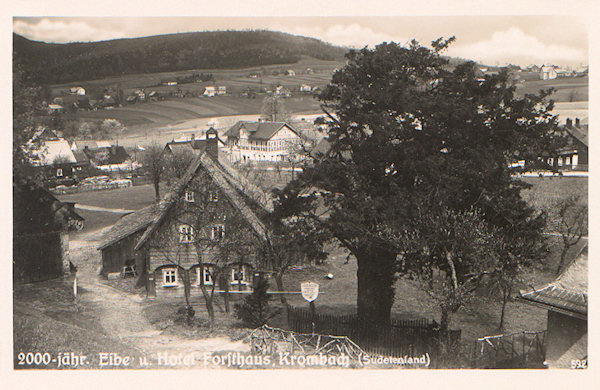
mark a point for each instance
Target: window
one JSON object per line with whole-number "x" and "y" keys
{"x": 568, "y": 160}
{"x": 213, "y": 196}
{"x": 205, "y": 276}
{"x": 237, "y": 275}
{"x": 186, "y": 233}
{"x": 560, "y": 161}
{"x": 551, "y": 161}
{"x": 189, "y": 196}
{"x": 218, "y": 232}
{"x": 169, "y": 277}
{"x": 59, "y": 172}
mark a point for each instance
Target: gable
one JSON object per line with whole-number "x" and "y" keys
{"x": 202, "y": 164}
{"x": 285, "y": 133}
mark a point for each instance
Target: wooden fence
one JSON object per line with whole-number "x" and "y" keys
{"x": 402, "y": 337}
{"x": 518, "y": 350}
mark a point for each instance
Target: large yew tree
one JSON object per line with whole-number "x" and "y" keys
{"x": 410, "y": 132}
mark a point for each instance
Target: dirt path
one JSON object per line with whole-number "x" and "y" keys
{"x": 121, "y": 313}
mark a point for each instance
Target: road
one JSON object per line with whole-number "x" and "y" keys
{"x": 121, "y": 313}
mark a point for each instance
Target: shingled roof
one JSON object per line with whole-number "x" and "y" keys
{"x": 128, "y": 225}
{"x": 221, "y": 179}
{"x": 568, "y": 293}
{"x": 579, "y": 132}
{"x": 257, "y": 130}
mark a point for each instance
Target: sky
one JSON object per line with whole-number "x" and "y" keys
{"x": 492, "y": 40}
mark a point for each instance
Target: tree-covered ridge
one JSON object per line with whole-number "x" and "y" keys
{"x": 61, "y": 63}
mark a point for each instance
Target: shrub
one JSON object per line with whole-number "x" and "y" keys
{"x": 255, "y": 310}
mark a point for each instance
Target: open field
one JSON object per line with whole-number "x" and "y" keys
{"x": 568, "y": 89}
{"x": 133, "y": 198}
{"x": 140, "y": 117}
{"x": 548, "y": 190}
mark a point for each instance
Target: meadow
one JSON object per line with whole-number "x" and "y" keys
{"x": 568, "y": 89}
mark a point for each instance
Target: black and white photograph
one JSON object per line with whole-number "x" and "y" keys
{"x": 299, "y": 191}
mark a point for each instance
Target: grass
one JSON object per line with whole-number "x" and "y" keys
{"x": 138, "y": 116}
{"x": 567, "y": 89}
{"x": 546, "y": 191}
{"x": 47, "y": 319}
{"x": 131, "y": 198}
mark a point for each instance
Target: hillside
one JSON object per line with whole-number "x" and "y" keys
{"x": 61, "y": 63}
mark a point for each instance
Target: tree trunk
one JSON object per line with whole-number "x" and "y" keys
{"x": 226, "y": 294}
{"x": 445, "y": 320}
{"x": 376, "y": 269}
{"x": 563, "y": 256}
{"x": 505, "y": 296}
{"x": 282, "y": 298}
{"x": 157, "y": 190}
{"x": 189, "y": 311}
{"x": 208, "y": 300}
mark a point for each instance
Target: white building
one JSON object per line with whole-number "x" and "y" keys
{"x": 78, "y": 91}
{"x": 305, "y": 88}
{"x": 548, "y": 73}
{"x": 210, "y": 91}
{"x": 221, "y": 90}
{"x": 262, "y": 141}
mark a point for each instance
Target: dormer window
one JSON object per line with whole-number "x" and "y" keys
{"x": 186, "y": 234}
{"x": 189, "y": 196}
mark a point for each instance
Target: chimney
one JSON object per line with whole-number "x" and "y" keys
{"x": 212, "y": 144}
{"x": 569, "y": 122}
{"x": 577, "y": 122}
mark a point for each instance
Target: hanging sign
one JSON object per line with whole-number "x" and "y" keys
{"x": 310, "y": 291}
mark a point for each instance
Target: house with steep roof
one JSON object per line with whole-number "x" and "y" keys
{"x": 262, "y": 141}
{"x": 54, "y": 158}
{"x": 566, "y": 300}
{"x": 209, "y": 221}
{"x": 574, "y": 156}
{"x": 548, "y": 72}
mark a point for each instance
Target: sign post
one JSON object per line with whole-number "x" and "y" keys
{"x": 310, "y": 292}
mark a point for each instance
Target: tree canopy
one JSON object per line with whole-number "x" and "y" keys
{"x": 421, "y": 153}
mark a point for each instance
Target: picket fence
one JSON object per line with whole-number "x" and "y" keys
{"x": 410, "y": 337}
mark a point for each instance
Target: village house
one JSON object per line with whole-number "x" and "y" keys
{"x": 209, "y": 221}
{"x": 291, "y": 72}
{"x": 548, "y": 72}
{"x": 262, "y": 141}
{"x": 52, "y": 156}
{"x": 40, "y": 226}
{"x": 194, "y": 145}
{"x": 210, "y": 91}
{"x": 574, "y": 156}
{"x": 78, "y": 91}
{"x": 565, "y": 299}
{"x": 305, "y": 88}
{"x": 221, "y": 90}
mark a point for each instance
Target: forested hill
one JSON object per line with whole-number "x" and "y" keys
{"x": 60, "y": 63}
